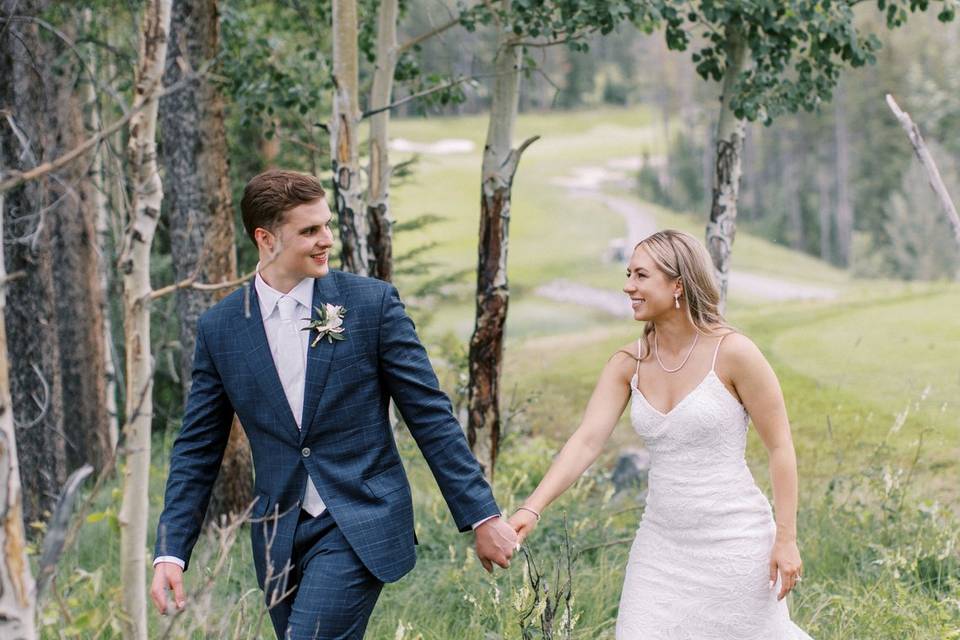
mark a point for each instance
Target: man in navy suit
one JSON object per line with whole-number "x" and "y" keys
{"x": 333, "y": 517}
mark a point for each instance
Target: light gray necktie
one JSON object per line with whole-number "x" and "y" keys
{"x": 291, "y": 367}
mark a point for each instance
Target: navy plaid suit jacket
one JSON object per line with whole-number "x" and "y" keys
{"x": 346, "y": 444}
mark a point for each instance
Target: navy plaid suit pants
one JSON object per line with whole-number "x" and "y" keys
{"x": 333, "y": 592}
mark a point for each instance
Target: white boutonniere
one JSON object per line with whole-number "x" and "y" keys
{"x": 329, "y": 324}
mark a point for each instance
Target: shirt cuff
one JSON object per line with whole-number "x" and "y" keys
{"x": 171, "y": 559}
{"x": 477, "y": 524}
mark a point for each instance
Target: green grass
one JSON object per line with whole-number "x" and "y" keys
{"x": 898, "y": 359}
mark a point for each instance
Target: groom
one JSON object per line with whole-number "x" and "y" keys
{"x": 333, "y": 518}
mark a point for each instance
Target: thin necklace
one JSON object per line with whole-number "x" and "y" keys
{"x": 656, "y": 351}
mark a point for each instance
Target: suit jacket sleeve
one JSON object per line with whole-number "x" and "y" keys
{"x": 413, "y": 385}
{"x": 195, "y": 458}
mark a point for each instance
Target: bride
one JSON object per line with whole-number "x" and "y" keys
{"x": 709, "y": 560}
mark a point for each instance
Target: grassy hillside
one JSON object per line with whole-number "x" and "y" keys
{"x": 880, "y": 346}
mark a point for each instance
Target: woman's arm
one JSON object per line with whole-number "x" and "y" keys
{"x": 759, "y": 390}
{"x": 603, "y": 411}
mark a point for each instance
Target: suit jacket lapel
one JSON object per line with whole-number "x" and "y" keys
{"x": 319, "y": 357}
{"x": 261, "y": 364}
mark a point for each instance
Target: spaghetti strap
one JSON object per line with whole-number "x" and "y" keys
{"x": 637, "y": 372}
{"x": 713, "y": 365}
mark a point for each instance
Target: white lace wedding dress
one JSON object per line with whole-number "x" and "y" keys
{"x": 698, "y": 568}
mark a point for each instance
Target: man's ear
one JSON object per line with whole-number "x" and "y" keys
{"x": 264, "y": 239}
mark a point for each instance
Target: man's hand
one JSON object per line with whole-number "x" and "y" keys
{"x": 496, "y": 542}
{"x": 167, "y": 575}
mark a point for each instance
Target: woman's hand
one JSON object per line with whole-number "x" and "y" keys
{"x": 785, "y": 559}
{"x": 523, "y": 522}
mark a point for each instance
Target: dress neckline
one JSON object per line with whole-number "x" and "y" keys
{"x": 635, "y": 381}
{"x": 633, "y": 385}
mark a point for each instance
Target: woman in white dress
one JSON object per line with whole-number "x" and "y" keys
{"x": 709, "y": 561}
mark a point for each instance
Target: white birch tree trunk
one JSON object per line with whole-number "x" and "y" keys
{"x": 722, "y": 226}
{"x": 101, "y": 206}
{"x": 135, "y": 269}
{"x": 17, "y": 604}
{"x": 379, "y": 220}
{"x": 344, "y": 140}
{"x": 500, "y": 162}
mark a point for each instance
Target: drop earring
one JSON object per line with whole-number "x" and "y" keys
{"x": 676, "y": 300}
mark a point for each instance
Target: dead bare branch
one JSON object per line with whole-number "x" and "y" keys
{"x": 426, "y": 92}
{"x": 929, "y": 165}
{"x": 191, "y": 283}
{"x": 10, "y": 277}
{"x": 414, "y": 41}
{"x": 602, "y": 545}
{"x": 22, "y": 138}
{"x": 226, "y": 535}
{"x": 55, "y": 538}
{"x": 43, "y": 403}
{"x": 552, "y": 43}
{"x": 73, "y": 49}
{"x": 19, "y": 177}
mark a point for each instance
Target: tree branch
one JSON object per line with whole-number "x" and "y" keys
{"x": 603, "y": 545}
{"x": 58, "y": 527}
{"x": 526, "y": 143}
{"x": 513, "y": 158}
{"x": 10, "y": 277}
{"x": 412, "y": 42}
{"x": 426, "y": 92}
{"x": 191, "y": 283}
{"x": 303, "y": 144}
{"x": 933, "y": 174}
{"x": 73, "y": 49}
{"x": 19, "y": 177}
{"x": 550, "y": 43}
{"x": 415, "y": 96}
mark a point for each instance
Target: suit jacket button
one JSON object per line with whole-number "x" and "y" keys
{"x": 306, "y": 452}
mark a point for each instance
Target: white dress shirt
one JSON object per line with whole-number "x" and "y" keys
{"x": 288, "y": 360}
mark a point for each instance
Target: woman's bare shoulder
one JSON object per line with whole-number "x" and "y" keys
{"x": 624, "y": 360}
{"x": 630, "y": 351}
{"x": 738, "y": 350}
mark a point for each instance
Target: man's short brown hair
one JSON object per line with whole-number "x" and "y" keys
{"x": 272, "y": 193}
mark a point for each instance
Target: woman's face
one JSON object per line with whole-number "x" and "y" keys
{"x": 650, "y": 290}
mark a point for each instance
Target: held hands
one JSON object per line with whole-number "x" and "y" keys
{"x": 167, "y": 575}
{"x": 524, "y": 521}
{"x": 785, "y": 559}
{"x": 495, "y": 542}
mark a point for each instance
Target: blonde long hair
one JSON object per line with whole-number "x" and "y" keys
{"x": 680, "y": 255}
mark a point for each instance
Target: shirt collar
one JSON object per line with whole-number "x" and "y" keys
{"x": 268, "y": 296}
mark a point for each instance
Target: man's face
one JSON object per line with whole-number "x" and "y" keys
{"x": 300, "y": 246}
